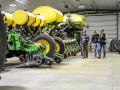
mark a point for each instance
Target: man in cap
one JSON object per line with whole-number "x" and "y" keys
{"x": 95, "y": 43}
{"x": 102, "y": 40}
{"x": 84, "y": 42}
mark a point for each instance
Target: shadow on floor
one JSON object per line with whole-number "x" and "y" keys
{"x": 12, "y": 88}
{"x": 54, "y": 66}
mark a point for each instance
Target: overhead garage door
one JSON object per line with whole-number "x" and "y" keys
{"x": 99, "y": 22}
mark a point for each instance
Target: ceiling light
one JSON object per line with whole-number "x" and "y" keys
{"x": 81, "y": 6}
{"x": 21, "y": 1}
{"x": 12, "y": 5}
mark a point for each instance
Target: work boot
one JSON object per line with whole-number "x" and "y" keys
{"x": 104, "y": 57}
{"x": 99, "y": 57}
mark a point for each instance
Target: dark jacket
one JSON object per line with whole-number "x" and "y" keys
{"x": 2, "y": 24}
{"x": 84, "y": 40}
{"x": 95, "y": 38}
{"x": 102, "y": 38}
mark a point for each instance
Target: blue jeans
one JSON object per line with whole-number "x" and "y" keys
{"x": 102, "y": 48}
{"x": 96, "y": 48}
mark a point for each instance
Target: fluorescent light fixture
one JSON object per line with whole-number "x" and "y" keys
{"x": 21, "y": 1}
{"x": 81, "y": 6}
{"x": 12, "y": 5}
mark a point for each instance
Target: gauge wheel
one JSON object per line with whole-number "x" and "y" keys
{"x": 60, "y": 47}
{"x": 48, "y": 43}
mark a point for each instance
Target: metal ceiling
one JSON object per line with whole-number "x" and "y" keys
{"x": 60, "y": 4}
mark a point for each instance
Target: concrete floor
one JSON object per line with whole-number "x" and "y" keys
{"x": 73, "y": 74}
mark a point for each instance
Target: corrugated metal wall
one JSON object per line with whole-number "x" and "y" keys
{"x": 106, "y": 22}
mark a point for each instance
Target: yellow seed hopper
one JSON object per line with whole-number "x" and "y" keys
{"x": 51, "y": 14}
{"x": 22, "y": 17}
{"x": 75, "y": 18}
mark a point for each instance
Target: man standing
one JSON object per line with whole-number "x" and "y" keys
{"x": 84, "y": 42}
{"x": 95, "y": 42}
{"x": 3, "y": 41}
{"x": 102, "y": 44}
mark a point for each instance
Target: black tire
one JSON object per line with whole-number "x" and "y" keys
{"x": 72, "y": 53}
{"x": 3, "y": 41}
{"x": 62, "y": 46}
{"x": 65, "y": 55}
{"x": 69, "y": 54}
{"x": 38, "y": 60}
{"x": 49, "y": 61}
{"x": 75, "y": 53}
{"x": 9, "y": 55}
{"x": 50, "y": 40}
{"x": 22, "y": 58}
{"x": 58, "y": 60}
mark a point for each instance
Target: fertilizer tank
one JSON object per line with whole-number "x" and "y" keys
{"x": 74, "y": 18}
{"x": 51, "y": 14}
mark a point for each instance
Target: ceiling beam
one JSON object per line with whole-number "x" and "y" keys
{"x": 92, "y": 10}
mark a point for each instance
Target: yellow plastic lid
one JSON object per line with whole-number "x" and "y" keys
{"x": 8, "y": 19}
{"x": 37, "y": 21}
{"x": 43, "y": 21}
{"x": 31, "y": 19}
{"x": 20, "y": 17}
